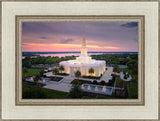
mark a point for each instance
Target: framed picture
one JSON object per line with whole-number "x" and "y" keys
{"x": 108, "y": 78}
{"x": 80, "y": 60}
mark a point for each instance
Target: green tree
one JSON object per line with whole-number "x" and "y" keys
{"x": 75, "y": 82}
{"x": 75, "y": 92}
{"x": 25, "y": 71}
{"x": 50, "y": 61}
{"x": 115, "y": 69}
{"x": 61, "y": 68}
{"x": 95, "y": 82}
{"x": 119, "y": 83}
{"x": 55, "y": 72}
{"x": 91, "y": 71}
{"x": 133, "y": 67}
{"x": 41, "y": 73}
{"x": 26, "y": 64}
{"x": 77, "y": 74}
{"x": 36, "y": 78}
{"x": 103, "y": 82}
{"x": 28, "y": 58}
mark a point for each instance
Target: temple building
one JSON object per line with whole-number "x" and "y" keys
{"x": 83, "y": 63}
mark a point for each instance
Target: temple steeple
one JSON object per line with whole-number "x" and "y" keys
{"x": 84, "y": 48}
{"x": 84, "y": 41}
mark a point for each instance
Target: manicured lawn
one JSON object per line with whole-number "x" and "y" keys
{"x": 32, "y": 92}
{"x": 31, "y": 72}
{"x": 133, "y": 90}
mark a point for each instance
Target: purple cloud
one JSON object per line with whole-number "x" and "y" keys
{"x": 122, "y": 34}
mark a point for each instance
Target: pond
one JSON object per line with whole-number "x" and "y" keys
{"x": 97, "y": 89}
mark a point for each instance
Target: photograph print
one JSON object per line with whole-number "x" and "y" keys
{"x": 80, "y": 60}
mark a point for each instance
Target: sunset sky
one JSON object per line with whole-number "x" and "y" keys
{"x": 67, "y": 36}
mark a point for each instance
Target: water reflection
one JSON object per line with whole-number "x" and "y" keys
{"x": 89, "y": 87}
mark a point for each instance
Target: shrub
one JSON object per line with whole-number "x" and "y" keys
{"x": 93, "y": 77}
{"x": 75, "y": 82}
{"x": 41, "y": 73}
{"x": 56, "y": 79}
{"x": 44, "y": 76}
{"x": 103, "y": 82}
{"x": 94, "y": 82}
{"x": 64, "y": 74}
{"x": 75, "y": 92}
{"x": 125, "y": 76}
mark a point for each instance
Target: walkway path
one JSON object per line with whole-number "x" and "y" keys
{"x": 50, "y": 74}
{"x": 63, "y": 85}
{"x": 107, "y": 75}
{"x": 60, "y": 87}
{"x": 122, "y": 76}
{"x": 67, "y": 79}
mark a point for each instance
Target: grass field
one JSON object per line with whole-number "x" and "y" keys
{"x": 32, "y": 92}
{"x": 31, "y": 72}
{"x": 133, "y": 90}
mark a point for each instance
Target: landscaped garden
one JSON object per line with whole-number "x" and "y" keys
{"x": 33, "y": 89}
{"x": 80, "y": 82}
{"x": 57, "y": 79}
{"x": 92, "y": 77}
{"x": 102, "y": 83}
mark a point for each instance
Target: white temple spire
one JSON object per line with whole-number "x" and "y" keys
{"x": 84, "y": 48}
{"x": 84, "y": 41}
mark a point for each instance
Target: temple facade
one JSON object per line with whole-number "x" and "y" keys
{"x": 83, "y": 63}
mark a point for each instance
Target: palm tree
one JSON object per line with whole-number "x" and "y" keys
{"x": 25, "y": 72}
{"x": 61, "y": 68}
{"x": 91, "y": 71}
{"x": 36, "y": 78}
{"x": 78, "y": 74}
{"x": 55, "y": 72}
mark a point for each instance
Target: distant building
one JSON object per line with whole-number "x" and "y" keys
{"x": 83, "y": 63}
